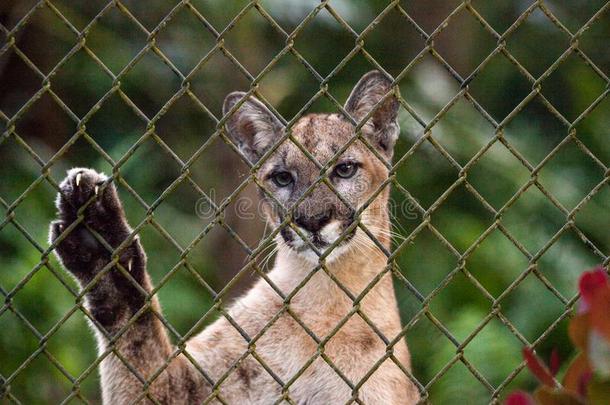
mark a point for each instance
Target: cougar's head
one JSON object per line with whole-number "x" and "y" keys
{"x": 321, "y": 213}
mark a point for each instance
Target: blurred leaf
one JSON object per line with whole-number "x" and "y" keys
{"x": 550, "y": 396}
{"x": 600, "y": 311}
{"x": 590, "y": 282}
{"x": 578, "y": 375}
{"x": 554, "y": 362}
{"x": 599, "y": 392}
{"x": 579, "y": 330}
{"x": 599, "y": 354}
{"x": 520, "y": 398}
{"x": 538, "y": 368}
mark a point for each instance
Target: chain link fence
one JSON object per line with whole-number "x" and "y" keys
{"x": 506, "y": 183}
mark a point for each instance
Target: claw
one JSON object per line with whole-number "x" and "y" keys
{"x": 78, "y": 176}
{"x": 60, "y": 227}
{"x": 129, "y": 266}
{"x": 96, "y": 189}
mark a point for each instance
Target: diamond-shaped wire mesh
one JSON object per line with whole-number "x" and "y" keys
{"x": 499, "y": 183}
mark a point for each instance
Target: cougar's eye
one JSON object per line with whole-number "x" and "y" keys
{"x": 282, "y": 179}
{"x": 346, "y": 170}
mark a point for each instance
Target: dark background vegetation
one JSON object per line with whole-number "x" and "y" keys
{"x": 36, "y": 127}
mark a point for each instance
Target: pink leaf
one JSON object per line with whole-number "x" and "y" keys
{"x": 554, "y": 362}
{"x": 519, "y": 398}
{"x": 538, "y": 368}
{"x": 590, "y": 282}
{"x": 599, "y": 310}
{"x": 583, "y": 382}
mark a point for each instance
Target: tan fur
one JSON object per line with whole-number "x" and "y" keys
{"x": 319, "y": 337}
{"x": 285, "y": 347}
{"x": 320, "y": 305}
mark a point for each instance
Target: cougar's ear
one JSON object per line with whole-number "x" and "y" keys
{"x": 252, "y": 126}
{"x": 381, "y": 128}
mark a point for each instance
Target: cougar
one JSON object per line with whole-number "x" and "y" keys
{"x": 322, "y": 327}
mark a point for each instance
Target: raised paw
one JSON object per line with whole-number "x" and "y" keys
{"x": 84, "y": 190}
{"x": 91, "y": 224}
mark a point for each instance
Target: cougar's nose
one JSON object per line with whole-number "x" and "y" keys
{"x": 313, "y": 223}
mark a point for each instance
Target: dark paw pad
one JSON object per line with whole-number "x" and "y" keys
{"x": 82, "y": 190}
{"x": 91, "y": 225}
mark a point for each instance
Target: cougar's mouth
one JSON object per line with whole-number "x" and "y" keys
{"x": 321, "y": 240}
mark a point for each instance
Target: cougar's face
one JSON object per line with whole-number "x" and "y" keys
{"x": 316, "y": 215}
{"x": 322, "y": 213}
